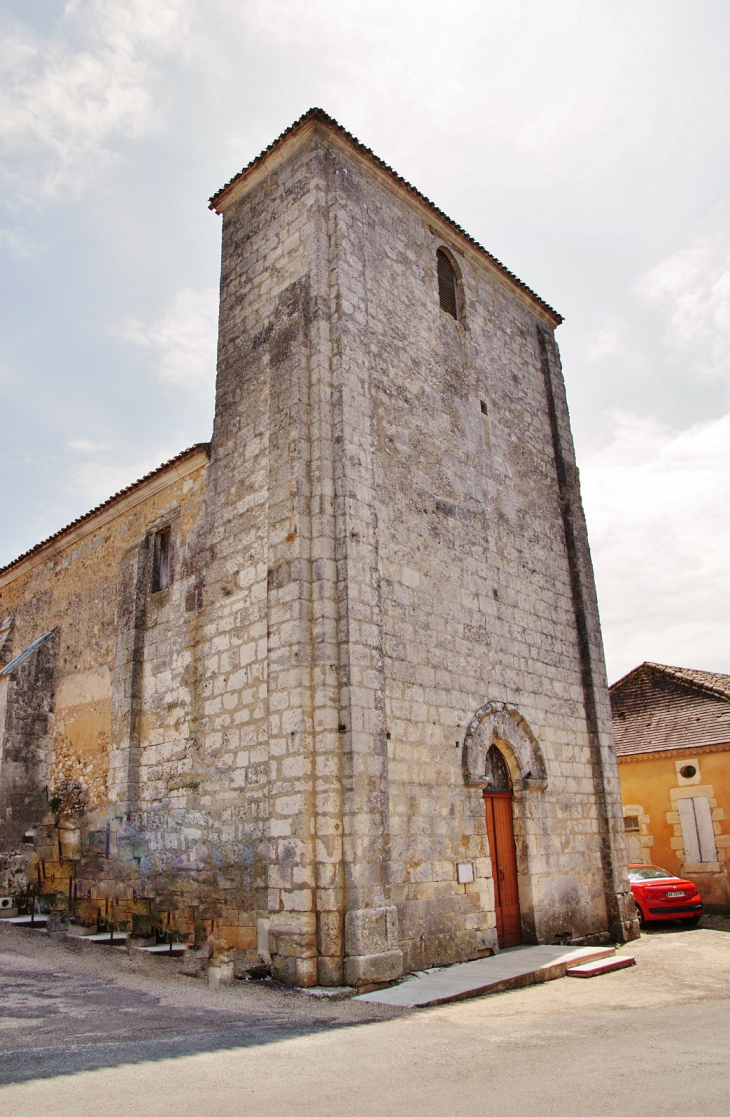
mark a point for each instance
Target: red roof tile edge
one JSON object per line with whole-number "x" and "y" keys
{"x": 321, "y": 115}
{"x": 690, "y": 676}
{"x": 181, "y": 457}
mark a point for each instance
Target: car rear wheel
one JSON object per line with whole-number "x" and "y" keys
{"x": 691, "y": 922}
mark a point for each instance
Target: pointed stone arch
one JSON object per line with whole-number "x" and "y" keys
{"x": 502, "y": 724}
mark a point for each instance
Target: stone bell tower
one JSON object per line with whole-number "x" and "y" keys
{"x": 398, "y": 542}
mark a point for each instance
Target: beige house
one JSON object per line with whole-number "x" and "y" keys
{"x": 672, "y": 728}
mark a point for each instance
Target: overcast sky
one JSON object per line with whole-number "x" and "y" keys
{"x": 583, "y": 143}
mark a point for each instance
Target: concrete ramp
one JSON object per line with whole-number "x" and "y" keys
{"x": 511, "y": 969}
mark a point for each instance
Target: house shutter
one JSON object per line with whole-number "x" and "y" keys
{"x": 705, "y": 829}
{"x": 698, "y": 833}
{"x": 636, "y": 853}
{"x": 689, "y": 830}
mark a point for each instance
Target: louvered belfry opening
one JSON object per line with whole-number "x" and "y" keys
{"x": 447, "y": 284}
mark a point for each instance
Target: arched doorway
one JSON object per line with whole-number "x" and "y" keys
{"x": 501, "y": 834}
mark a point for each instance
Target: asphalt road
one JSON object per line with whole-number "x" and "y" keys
{"x": 90, "y": 1036}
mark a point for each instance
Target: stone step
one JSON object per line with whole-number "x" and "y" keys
{"x": 510, "y": 969}
{"x": 164, "y": 949}
{"x": 26, "y": 920}
{"x": 601, "y": 965}
{"x": 102, "y": 937}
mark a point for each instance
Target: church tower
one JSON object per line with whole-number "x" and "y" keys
{"x": 392, "y": 449}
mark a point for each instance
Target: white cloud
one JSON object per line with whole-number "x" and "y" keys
{"x": 20, "y": 243}
{"x": 694, "y": 287}
{"x": 604, "y": 343}
{"x": 93, "y": 482}
{"x": 84, "y": 446}
{"x": 66, "y": 97}
{"x": 409, "y": 72}
{"x": 658, "y": 507}
{"x": 376, "y": 54}
{"x": 183, "y": 340}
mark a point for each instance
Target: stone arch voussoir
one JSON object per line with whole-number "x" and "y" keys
{"x": 501, "y": 724}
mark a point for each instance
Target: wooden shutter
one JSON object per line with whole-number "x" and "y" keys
{"x": 164, "y": 559}
{"x": 447, "y": 283}
{"x": 161, "y": 560}
{"x": 689, "y": 831}
{"x": 698, "y": 833}
{"x": 635, "y": 850}
{"x": 705, "y": 829}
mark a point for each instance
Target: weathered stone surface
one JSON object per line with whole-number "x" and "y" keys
{"x": 371, "y": 930}
{"x": 330, "y": 971}
{"x": 370, "y": 969}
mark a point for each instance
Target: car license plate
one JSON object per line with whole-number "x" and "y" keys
{"x": 674, "y": 895}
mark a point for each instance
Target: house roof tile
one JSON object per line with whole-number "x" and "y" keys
{"x": 657, "y": 708}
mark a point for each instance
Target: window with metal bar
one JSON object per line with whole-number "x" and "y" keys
{"x": 448, "y": 284}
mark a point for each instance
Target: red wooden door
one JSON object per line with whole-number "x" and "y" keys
{"x": 500, "y": 831}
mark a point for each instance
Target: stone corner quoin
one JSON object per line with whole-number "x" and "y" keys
{"x": 276, "y": 668}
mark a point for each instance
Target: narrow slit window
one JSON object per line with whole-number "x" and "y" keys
{"x": 161, "y": 570}
{"x": 448, "y": 284}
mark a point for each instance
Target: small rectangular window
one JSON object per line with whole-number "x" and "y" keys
{"x": 161, "y": 560}
{"x": 631, "y": 822}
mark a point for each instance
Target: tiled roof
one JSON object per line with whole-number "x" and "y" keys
{"x": 709, "y": 681}
{"x": 321, "y": 116}
{"x": 657, "y": 708}
{"x": 181, "y": 457}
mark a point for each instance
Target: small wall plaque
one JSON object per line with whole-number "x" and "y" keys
{"x": 465, "y": 872}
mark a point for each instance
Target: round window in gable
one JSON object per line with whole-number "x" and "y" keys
{"x": 688, "y": 772}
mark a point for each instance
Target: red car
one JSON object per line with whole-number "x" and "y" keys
{"x": 659, "y": 895}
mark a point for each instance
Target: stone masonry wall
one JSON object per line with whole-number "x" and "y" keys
{"x": 58, "y": 728}
{"x": 466, "y": 584}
